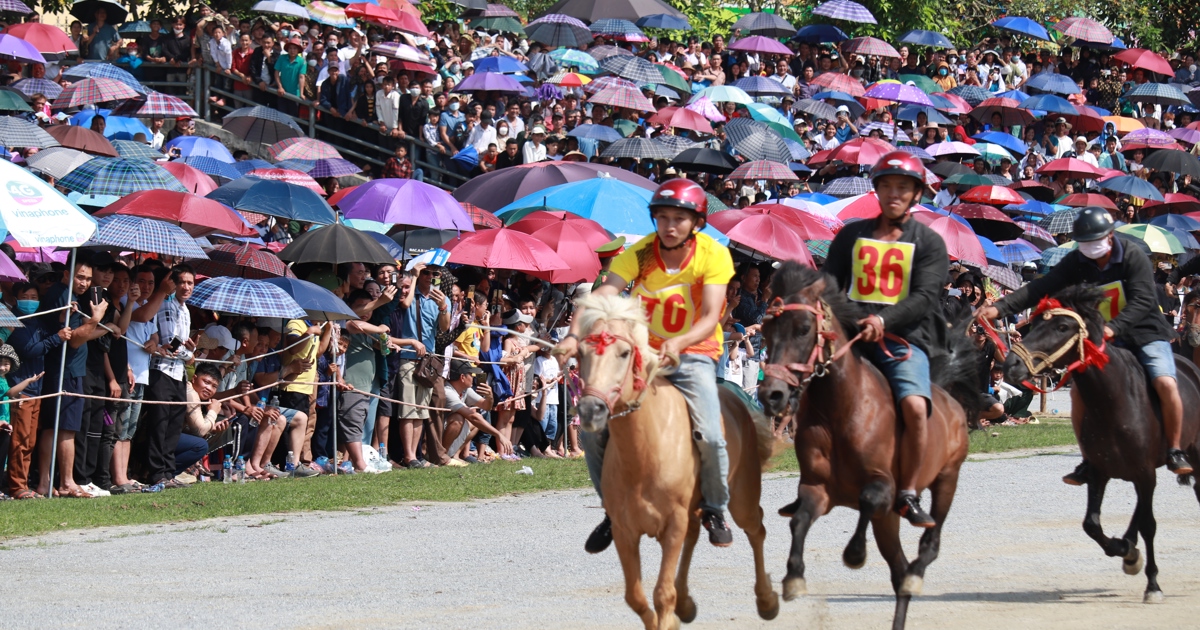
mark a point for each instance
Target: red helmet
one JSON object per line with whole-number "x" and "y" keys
{"x": 681, "y": 193}
{"x": 899, "y": 163}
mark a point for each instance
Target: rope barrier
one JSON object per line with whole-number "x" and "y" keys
{"x": 53, "y": 310}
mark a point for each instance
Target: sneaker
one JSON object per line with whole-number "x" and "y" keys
{"x": 600, "y": 538}
{"x": 1177, "y": 463}
{"x": 186, "y": 478}
{"x": 1079, "y": 476}
{"x": 456, "y": 463}
{"x": 909, "y": 506}
{"x": 158, "y": 487}
{"x": 303, "y": 472}
{"x": 270, "y": 468}
{"x": 719, "y": 533}
{"x": 316, "y": 467}
{"x": 95, "y": 490}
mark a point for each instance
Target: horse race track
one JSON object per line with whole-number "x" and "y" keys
{"x": 1013, "y": 556}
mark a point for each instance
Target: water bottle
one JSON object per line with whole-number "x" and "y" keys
{"x": 227, "y": 470}
{"x": 274, "y": 402}
{"x": 289, "y": 465}
{"x": 383, "y": 454}
{"x": 262, "y": 404}
{"x": 241, "y": 469}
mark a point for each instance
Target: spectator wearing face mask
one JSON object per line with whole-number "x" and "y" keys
{"x": 944, "y": 78}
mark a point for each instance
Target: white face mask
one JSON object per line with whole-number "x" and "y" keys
{"x": 1095, "y": 250}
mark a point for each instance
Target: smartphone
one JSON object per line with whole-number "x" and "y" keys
{"x": 396, "y": 278}
{"x": 437, "y": 281}
{"x": 99, "y": 294}
{"x": 175, "y": 344}
{"x": 471, "y": 293}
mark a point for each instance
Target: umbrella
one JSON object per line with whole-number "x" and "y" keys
{"x": 195, "y": 146}
{"x": 1160, "y": 240}
{"x": 1132, "y": 186}
{"x": 499, "y": 188}
{"x": 480, "y": 218}
{"x": 292, "y": 177}
{"x": 870, "y": 46}
{"x": 1146, "y": 59}
{"x": 1149, "y": 137}
{"x": 705, "y": 107}
{"x": 994, "y": 153}
{"x": 1006, "y": 140}
{"x": 925, "y": 83}
{"x": 104, "y": 70}
{"x": 632, "y": 10}
{"x": 704, "y": 160}
{"x": 241, "y": 296}
{"x": 36, "y": 214}
{"x": 575, "y": 241}
{"x": 900, "y": 93}
{"x": 1072, "y": 167}
{"x": 681, "y": 118}
{"x": 634, "y": 69}
{"x": 336, "y": 244}
{"x": 1003, "y": 276}
{"x": 1053, "y": 83}
{"x": 119, "y": 176}
{"x": 93, "y": 90}
{"x": 116, "y": 127}
{"x": 406, "y": 202}
{"x": 1023, "y": 26}
{"x": 329, "y": 14}
{"x": 951, "y": 103}
{"x": 1033, "y": 207}
{"x": 839, "y": 82}
{"x": 1061, "y": 222}
{"x": 559, "y": 30}
{"x": 848, "y": 187}
{"x": 505, "y": 248}
{"x": 131, "y": 150}
{"x": 1048, "y": 103}
{"x": 818, "y": 109}
{"x": 755, "y": 141}
{"x": 576, "y": 58}
{"x": 502, "y": 23}
{"x": 961, "y": 242}
{"x": 1018, "y": 251}
{"x": 767, "y": 24}
{"x": 331, "y": 167}
{"x": 57, "y": 162}
{"x": 156, "y": 104}
{"x": 195, "y": 214}
{"x": 951, "y": 148}
{"x": 620, "y": 96}
{"x": 1174, "y": 202}
{"x": 489, "y": 82}
{"x": 819, "y": 34}
{"x": 276, "y": 199}
{"x": 674, "y": 144}
{"x": 19, "y": 50}
{"x": 597, "y": 132}
{"x": 861, "y": 151}
{"x": 1036, "y": 234}
{"x": 192, "y": 178}
{"x": 144, "y": 235}
{"x": 85, "y": 10}
{"x": 1176, "y": 222}
{"x": 245, "y": 166}
{"x": 972, "y": 94}
{"x": 763, "y": 86}
{"x": 932, "y": 39}
{"x": 47, "y": 88}
{"x": 664, "y": 21}
{"x": 764, "y": 233}
{"x": 318, "y": 302}
{"x": 48, "y": 39}
{"x": 992, "y": 195}
{"x": 302, "y": 149}
{"x": 260, "y": 124}
{"x": 638, "y": 148}
{"x": 1157, "y": 93}
{"x": 760, "y": 44}
{"x": 211, "y": 167}
{"x": 987, "y": 221}
{"x": 616, "y": 28}
{"x": 417, "y": 242}
{"x": 845, "y": 10}
{"x": 723, "y": 93}
{"x": 13, "y": 6}
{"x": 15, "y": 132}
{"x": 1084, "y": 200}
{"x": 499, "y": 63}
{"x": 1173, "y": 161}
{"x": 917, "y": 151}
{"x": 1084, "y": 29}
{"x": 593, "y": 234}
{"x": 762, "y": 169}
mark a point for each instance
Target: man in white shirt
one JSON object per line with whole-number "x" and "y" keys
{"x": 782, "y": 76}
{"x": 171, "y": 339}
{"x": 464, "y": 399}
{"x": 387, "y": 109}
{"x": 512, "y": 114}
{"x": 483, "y": 134}
{"x": 534, "y": 150}
{"x": 156, "y": 128}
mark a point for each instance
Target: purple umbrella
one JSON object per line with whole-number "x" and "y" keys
{"x": 13, "y": 6}
{"x": 19, "y": 49}
{"x": 1149, "y": 136}
{"x": 1183, "y": 134}
{"x": 406, "y": 202}
{"x": 899, "y": 92}
{"x": 489, "y": 82}
{"x": 548, "y": 92}
{"x": 845, "y": 10}
{"x": 758, "y": 43}
{"x": 502, "y": 187}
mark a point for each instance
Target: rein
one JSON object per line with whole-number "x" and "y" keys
{"x": 601, "y": 341}
{"x": 1037, "y": 362}
{"x": 817, "y": 366}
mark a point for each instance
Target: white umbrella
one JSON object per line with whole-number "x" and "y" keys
{"x": 37, "y": 215}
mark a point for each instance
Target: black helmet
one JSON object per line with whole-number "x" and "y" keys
{"x": 1092, "y": 224}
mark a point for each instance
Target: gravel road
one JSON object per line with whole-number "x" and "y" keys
{"x": 1013, "y": 555}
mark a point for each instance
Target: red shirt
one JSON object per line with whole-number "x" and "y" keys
{"x": 241, "y": 63}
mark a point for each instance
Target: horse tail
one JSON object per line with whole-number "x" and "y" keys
{"x": 956, "y": 369}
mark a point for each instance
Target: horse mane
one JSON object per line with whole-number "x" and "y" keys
{"x": 1084, "y": 300}
{"x": 956, "y": 368}
{"x": 593, "y": 309}
{"x": 794, "y": 277}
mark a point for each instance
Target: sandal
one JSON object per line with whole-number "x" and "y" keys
{"x": 73, "y": 493}
{"x": 125, "y": 488}
{"x": 27, "y": 494}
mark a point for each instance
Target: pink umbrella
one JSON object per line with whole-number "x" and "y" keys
{"x": 10, "y": 272}
{"x": 760, "y": 44}
{"x": 961, "y": 106}
{"x": 1185, "y": 135}
{"x": 1147, "y": 60}
{"x": 705, "y": 107}
{"x": 869, "y": 46}
{"x": 1149, "y": 137}
{"x": 839, "y": 82}
{"x": 504, "y": 248}
{"x": 681, "y": 118}
{"x": 607, "y": 82}
{"x": 952, "y": 147}
{"x": 1085, "y": 29}
{"x": 961, "y": 242}
{"x": 623, "y": 97}
{"x": 289, "y": 176}
{"x": 193, "y": 179}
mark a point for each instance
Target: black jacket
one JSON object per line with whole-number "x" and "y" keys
{"x": 257, "y": 59}
{"x": 1141, "y": 321}
{"x": 918, "y": 317}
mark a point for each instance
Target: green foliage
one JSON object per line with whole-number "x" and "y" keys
{"x": 707, "y": 17}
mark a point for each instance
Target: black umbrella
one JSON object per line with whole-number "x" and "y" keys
{"x": 946, "y": 169}
{"x": 261, "y": 125}
{"x": 819, "y": 109}
{"x": 756, "y": 141}
{"x": 85, "y": 10}
{"x": 471, "y": 5}
{"x": 632, "y": 10}
{"x": 1173, "y": 161}
{"x": 765, "y": 24}
{"x": 705, "y": 160}
{"x": 559, "y": 30}
{"x": 336, "y": 244}
{"x": 996, "y": 230}
{"x": 417, "y": 242}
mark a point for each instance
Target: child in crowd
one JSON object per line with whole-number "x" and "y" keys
{"x": 9, "y": 362}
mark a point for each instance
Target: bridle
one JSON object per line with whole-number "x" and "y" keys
{"x": 633, "y": 368}
{"x": 1037, "y": 362}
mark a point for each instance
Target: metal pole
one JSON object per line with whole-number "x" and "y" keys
{"x": 333, "y": 394}
{"x": 562, "y": 415}
{"x": 62, "y": 370}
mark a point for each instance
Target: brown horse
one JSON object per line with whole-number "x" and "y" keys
{"x": 1120, "y": 429}
{"x": 650, "y": 481}
{"x": 849, "y": 429}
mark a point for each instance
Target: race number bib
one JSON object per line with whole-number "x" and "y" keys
{"x": 669, "y": 309}
{"x": 882, "y": 271}
{"x": 1114, "y": 300}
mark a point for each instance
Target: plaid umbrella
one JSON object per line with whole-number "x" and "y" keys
{"x": 607, "y": 82}
{"x": 1159, "y": 93}
{"x": 98, "y": 70}
{"x": 848, "y": 187}
{"x": 240, "y": 296}
{"x": 599, "y": 52}
{"x": 15, "y": 132}
{"x": 8, "y": 320}
{"x": 156, "y": 104}
{"x": 48, "y": 88}
{"x": 889, "y": 131}
{"x": 332, "y": 167}
{"x": 93, "y": 90}
{"x": 762, "y": 169}
{"x": 1003, "y": 276}
{"x": 635, "y": 69}
{"x": 819, "y": 249}
{"x": 638, "y": 148}
{"x": 675, "y": 144}
{"x": 139, "y": 27}
{"x": 623, "y": 97}
{"x": 303, "y": 166}
{"x": 839, "y": 82}
{"x": 119, "y": 176}
{"x": 767, "y": 24}
{"x": 556, "y": 29}
{"x": 998, "y": 180}
{"x": 1054, "y": 255}
{"x": 845, "y": 10}
{"x": 245, "y": 166}
{"x": 301, "y": 148}
{"x": 818, "y": 109}
{"x": 618, "y": 28}
{"x": 212, "y": 166}
{"x": 1018, "y": 251}
{"x": 481, "y": 218}
{"x": 1086, "y": 29}
{"x": 764, "y": 86}
{"x": 870, "y": 46}
{"x": 57, "y": 162}
{"x": 291, "y": 177}
{"x": 260, "y": 124}
{"x": 136, "y": 150}
{"x": 756, "y": 141}
{"x": 1061, "y": 222}
{"x": 577, "y": 58}
{"x": 1036, "y": 234}
{"x": 972, "y": 94}
{"x": 13, "y": 6}
{"x": 144, "y": 235}
{"x": 917, "y": 151}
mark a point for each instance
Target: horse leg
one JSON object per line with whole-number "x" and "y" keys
{"x": 875, "y": 496}
{"x": 748, "y": 515}
{"x": 886, "y": 526}
{"x": 685, "y": 606}
{"x": 813, "y": 501}
{"x": 942, "y": 491}
{"x": 671, "y": 541}
{"x": 628, "y": 549}
{"x": 1147, "y": 527}
{"x": 1091, "y": 525}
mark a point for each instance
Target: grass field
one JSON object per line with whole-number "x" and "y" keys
{"x": 211, "y": 500}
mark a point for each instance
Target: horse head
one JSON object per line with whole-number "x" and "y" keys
{"x": 1066, "y": 332}
{"x": 615, "y": 358}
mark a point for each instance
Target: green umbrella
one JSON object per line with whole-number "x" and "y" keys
{"x": 1159, "y": 240}
{"x": 967, "y": 180}
{"x": 714, "y": 204}
{"x": 785, "y": 131}
{"x": 11, "y": 101}
{"x": 674, "y": 81}
{"x": 925, "y": 83}
{"x": 625, "y": 127}
{"x": 504, "y": 24}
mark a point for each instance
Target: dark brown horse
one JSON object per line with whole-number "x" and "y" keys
{"x": 849, "y": 429}
{"x": 1120, "y": 432}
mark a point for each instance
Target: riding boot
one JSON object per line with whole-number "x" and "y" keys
{"x": 1081, "y": 475}
{"x": 600, "y": 538}
{"x": 719, "y": 533}
{"x": 1177, "y": 462}
{"x": 909, "y": 506}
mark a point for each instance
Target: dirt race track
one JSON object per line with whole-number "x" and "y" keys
{"x": 1013, "y": 556}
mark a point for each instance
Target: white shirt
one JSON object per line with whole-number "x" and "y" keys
{"x": 172, "y": 322}
{"x": 136, "y": 337}
{"x": 387, "y": 108}
{"x": 157, "y": 141}
{"x": 221, "y": 52}
{"x": 515, "y": 127}
{"x": 944, "y": 198}
{"x": 480, "y": 138}
{"x": 787, "y": 80}
{"x": 547, "y": 368}
{"x": 827, "y": 143}
{"x": 533, "y": 153}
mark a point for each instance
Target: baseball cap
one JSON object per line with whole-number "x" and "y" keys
{"x": 843, "y": 108}
{"x": 514, "y": 317}
{"x": 217, "y": 336}
{"x": 458, "y": 367}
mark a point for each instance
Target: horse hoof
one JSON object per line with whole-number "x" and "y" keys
{"x": 772, "y": 609}
{"x": 912, "y": 585}
{"x": 854, "y": 560}
{"x": 686, "y": 609}
{"x": 674, "y": 623}
{"x": 1153, "y": 597}
{"x": 1133, "y": 562}
{"x": 793, "y": 588}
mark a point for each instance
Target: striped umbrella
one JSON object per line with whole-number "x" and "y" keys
{"x": 291, "y": 177}
{"x": 623, "y": 97}
{"x": 132, "y": 150}
{"x": 15, "y": 132}
{"x": 29, "y": 87}
{"x": 764, "y": 86}
{"x": 635, "y": 69}
{"x": 1085, "y": 29}
{"x": 97, "y": 70}
{"x": 891, "y": 132}
{"x": 845, "y": 10}
{"x": 301, "y": 148}
{"x": 675, "y": 144}
{"x": 569, "y": 79}
{"x": 330, "y": 14}
{"x": 756, "y": 141}
{"x": 90, "y": 91}
{"x": 480, "y": 218}
{"x": 762, "y": 169}
{"x": 156, "y": 104}
{"x": 638, "y": 148}
{"x": 241, "y": 296}
{"x": 870, "y": 46}
{"x": 1018, "y": 251}
{"x": 212, "y": 166}
{"x": 848, "y": 187}
{"x": 57, "y": 162}
{"x": 120, "y": 177}
{"x": 144, "y": 235}
{"x": 243, "y": 260}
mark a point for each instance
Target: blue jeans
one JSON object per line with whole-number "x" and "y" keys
{"x": 550, "y": 422}
{"x": 908, "y": 377}
{"x": 190, "y": 450}
{"x": 1157, "y": 358}
{"x": 696, "y": 379}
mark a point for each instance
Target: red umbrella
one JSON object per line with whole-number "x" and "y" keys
{"x": 1037, "y": 190}
{"x": 197, "y": 215}
{"x": 961, "y": 106}
{"x": 593, "y": 232}
{"x": 1177, "y": 203}
{"x": 681, "y": 118}
{"x": 810, "y": 227}
{"x": 993, "y": 195}
{"x": 242, "y": 261}
{"x": 1083, "y": 200}
{"x": 764, "y": 233}
{"x": 839, "y": 82}
{"x": 1010, "y": 114}
{"x": 571, "y": 242}
{"x": 93, "y": 90}
{"x": 193, "y": 179}
{"x": 46, "y": 38}
{"x": 504, "y": 248}
{"x": 1072, "y": 167}
{"x": 863, "y": 207}
{"x": 961, "y": 242}
{"x": 339, "y": 195}
{"x": 978, "y": 211}
{"x": 1145, "y": 59}
{"x": 1086, "y": 121}
{"x": 820, "y": 157}
{"x": 82, "y": 139}
{"x": 289, "y": 176}
{"x": 861, "y": 151}
{"x": 481, "y": 218}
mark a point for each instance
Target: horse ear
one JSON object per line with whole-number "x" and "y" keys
{"x": 814, "y": 291}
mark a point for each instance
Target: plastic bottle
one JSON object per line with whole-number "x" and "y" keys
{"x": 227, "y": 470}
{"x": 274, "y": 404}
{"x": 383, "y": 458}
{"x": 262, "y": 404}
{"x": 241, "y": 469}
{"x": 289, "y": 465}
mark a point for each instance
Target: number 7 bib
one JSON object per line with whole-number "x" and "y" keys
{"x": 882, "y": 271}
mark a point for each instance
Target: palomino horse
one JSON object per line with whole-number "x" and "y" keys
{"x": 1120, "y": 430}
{"x": 650, "y": 482}
{"x": 848, "y": 433}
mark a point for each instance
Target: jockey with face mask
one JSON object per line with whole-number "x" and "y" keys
{"x": 1130, "y": 310}
{"x": 894, "y": 267}
{"x": 681, "y": 277}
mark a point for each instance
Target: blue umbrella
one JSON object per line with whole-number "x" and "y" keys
{"x": 941, "y": 102}
{"x": 115, "y": 127}
{"x": 1006, "y": 140}
{"x": 919, "y": 152}
{"x": 468, "y": 157}
{"x": 596, "y": 132}
{"x": 1176, "y": 221}
{"x": 932, "y": 39}
{"x": 1185, "y": 238}
{"x": 1054, "y": 255}
{"x": 1099, "y": 110}
{"x": 388, "y": 243}
{"x": 104, "y": 71}
{"x": 909, "y": 113}
{"x": 1016, "y": 95}
{"x": 820, "y": 34}
{"x": 195, "y": 145}
{"x": 1023, "y": 26}
{"x": 245, "y": 166}
{"x": 276, "y": 199}
{"x": 990, "y": 250}
{"x": 124, "y": 231}
{"x": 797, "y": 150}
{"x": 252, "y": 298}
{"x": 819, "y": 198}
{"x": 1049, "y": 103}
{"x": 621, "y": 208}
{"x": 211, "y": 166}
{"x": 91, "y": 201}
{"x": 1160, "y": 93}
{"x": 1019, "y": 251}
{"x": 1132, "y": 186}
{"x": 317, "y": 301}
{"x": 1033, "y": 207}
{"x": 499, "y": 63}
{"x": 842, "y": 98}
{"x": 303, "y": 166}
{"x": 1053, "y": 83}
{"x": 664, "y": 21}
{"x": 972, "y": 94}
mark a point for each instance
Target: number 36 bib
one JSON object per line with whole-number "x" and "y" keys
{"x": 882, "y": 271}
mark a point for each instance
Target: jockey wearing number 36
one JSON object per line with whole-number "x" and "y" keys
{"x": 680, "y": 275}
{"x": 895, "y": 267}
